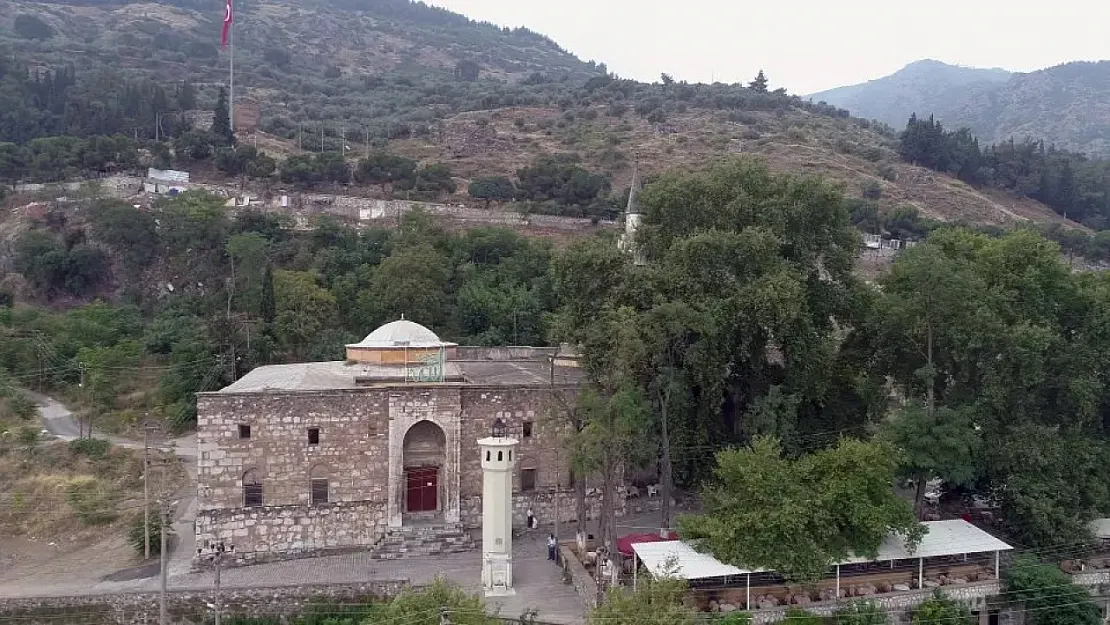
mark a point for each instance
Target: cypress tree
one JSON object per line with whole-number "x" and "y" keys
{"x": 268, "y": 308}
{"x": 221, "y": 123}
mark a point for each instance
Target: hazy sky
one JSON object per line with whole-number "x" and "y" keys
{"x": 810, "y": 45}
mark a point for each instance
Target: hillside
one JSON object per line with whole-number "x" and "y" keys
{"x": 340, "y": 76}
{"x": 1064, "y": 105}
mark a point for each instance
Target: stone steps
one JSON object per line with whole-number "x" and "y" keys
{"x": 418, "y": 541}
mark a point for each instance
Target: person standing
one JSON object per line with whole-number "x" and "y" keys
{"x": 531, "y": 519}
{"x": 552, "y": 545}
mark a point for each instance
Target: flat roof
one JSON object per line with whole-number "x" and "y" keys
{"x": 944, "y": 538}
{"x": 338, "y": 375}
{"x": 1100, "y": 528}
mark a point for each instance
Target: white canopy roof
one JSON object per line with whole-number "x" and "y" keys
{"x": 944, "y": 538}
{"x": 1100, "y": 528}
{"x": 399, "y": 334}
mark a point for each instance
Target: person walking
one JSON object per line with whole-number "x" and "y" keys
{"x": 552, "y": 545}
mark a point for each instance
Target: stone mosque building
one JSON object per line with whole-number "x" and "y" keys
{"x": 312, "y": 457}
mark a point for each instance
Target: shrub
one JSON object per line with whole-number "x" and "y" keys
{"x": 734, "y": 618}
{"x": 135, "y": 532}
{"x": 871, "y": 190}
{"x": 92, "y": 500}
{"x": 887, "y": 172}
{"x": 861, "y": 613}
{"x": 93, "y": 448}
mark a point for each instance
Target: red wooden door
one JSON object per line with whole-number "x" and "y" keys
{"x": 423, "y": 488}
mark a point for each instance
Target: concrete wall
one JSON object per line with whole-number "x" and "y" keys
{"x": 190, "y": 606}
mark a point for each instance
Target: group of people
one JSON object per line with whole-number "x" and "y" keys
{"x": 552, "y": 542}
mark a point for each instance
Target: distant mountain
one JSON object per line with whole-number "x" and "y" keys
{"x": 1067, "y": 105}
{"x": 923, "y": 87}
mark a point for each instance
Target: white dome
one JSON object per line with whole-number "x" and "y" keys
{"x": 401, "y": 333}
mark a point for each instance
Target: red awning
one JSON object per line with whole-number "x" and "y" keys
{"x": 624, "y": 543}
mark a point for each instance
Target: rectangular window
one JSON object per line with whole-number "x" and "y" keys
{"x": 252, "y": 495}
{"x": 319, "y": 491}
{"x": 527, "y": 479}
{"x": 527, "y": 429}
{"x": 313, "y": 436}
{"x": 244, "y": 431}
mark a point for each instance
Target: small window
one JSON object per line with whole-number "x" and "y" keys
{"x": 487, "y": 455}
{"x": 252, "y": 489}
{"x": 527, "y": 479}
{"x": 510, "y": 455}
{"x": 527, "y": 429}
{"x": 244, "y": 431}
{"x": 319, "y": 491}
{"x": 313, "y": 436}
{"x": 500, "y": 456}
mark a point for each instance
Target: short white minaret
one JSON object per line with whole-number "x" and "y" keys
{"x": 497, "y": 511}
{"x": 632, "y": 219}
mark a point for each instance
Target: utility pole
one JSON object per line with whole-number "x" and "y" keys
{"x": 343, "y": 141}
{"x": 80, "y": 421}
{"x": 300, "y": 135}
{"x": 162, "y": 620}
{"x": 216, "y": 554}
{"x": 367, "y": 131}
{"x": 321, "y": 137}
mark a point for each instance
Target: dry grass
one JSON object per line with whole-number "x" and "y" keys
{"x": 53, "y": 491}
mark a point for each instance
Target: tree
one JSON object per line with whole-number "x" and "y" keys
{"x": 759, "y": 84}
{"x": 653, "y": 602}
{"x": 385, "y": 169}
{"x": 304, "y": 310}
{"x": 799, "y": 517}
{"x": 940, "y": 610}
{"x": 249, "y": 253}
{"x": 221, "y": 123}
{"x": 1050, "y": 595}
{"x": 267, "y": 306}
{"x": 943, "y": 444}
{"x": 467, "y": 70}
{"x": 492, "y": 188}
{"x": 427, "y": 606}
{"x": 411, "y": 281}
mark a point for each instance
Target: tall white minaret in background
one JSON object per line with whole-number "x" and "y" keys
{"x": 498, "y": 460}
{"x": 632, "y": 219}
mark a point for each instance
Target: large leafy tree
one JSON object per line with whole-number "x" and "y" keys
{"x": 1050, "y": 596}
{"x": 800, "y": 516}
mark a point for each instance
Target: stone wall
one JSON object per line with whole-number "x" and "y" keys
{"x": 584, "y": 584}
{"x": 286, "y": 532}
{"x": 898, "y": 605}
{"x": 190, "y": 606}
{"x": 352, "y": 453}
{"x": 361, "y": 450}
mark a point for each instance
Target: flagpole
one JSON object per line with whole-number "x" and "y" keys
{"x": 231, "y": 64}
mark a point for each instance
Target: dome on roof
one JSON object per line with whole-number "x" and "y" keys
{"x": 399, "y": 334}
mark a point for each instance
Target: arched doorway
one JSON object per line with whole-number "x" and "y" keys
{"x": 424, "y": 454}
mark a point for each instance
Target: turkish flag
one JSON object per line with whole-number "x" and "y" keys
{"x": 227, "y": 24}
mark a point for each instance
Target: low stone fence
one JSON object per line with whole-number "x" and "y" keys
{"x": 192, "y": 606}
{"x": 584, "y": 583}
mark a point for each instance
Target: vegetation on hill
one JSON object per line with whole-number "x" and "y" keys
{"x": 1072, "y": 184}
{"x": 1064, "y": 106}
{"x": 175, "y": 315}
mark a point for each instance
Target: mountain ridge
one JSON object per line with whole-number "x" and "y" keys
{"x": 1065, "y": 105}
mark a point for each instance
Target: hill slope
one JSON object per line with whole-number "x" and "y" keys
{"x": 392, "y": 74}
{"x": 1067, "y": 105}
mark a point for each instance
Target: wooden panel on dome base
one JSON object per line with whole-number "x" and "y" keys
{"x": 395, "y": 356}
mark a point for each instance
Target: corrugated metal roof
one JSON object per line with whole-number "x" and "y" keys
{"x": 944, "y": 538}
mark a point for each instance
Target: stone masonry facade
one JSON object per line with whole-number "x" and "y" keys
{"x": 364, "y": 441}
